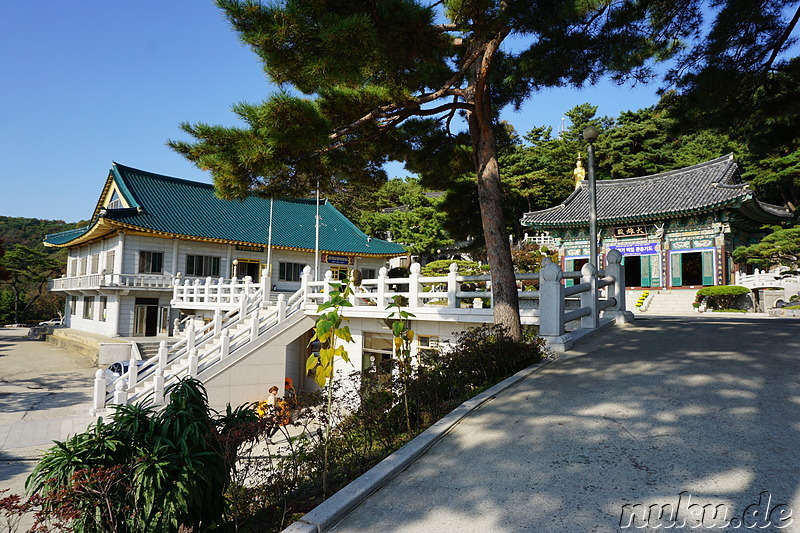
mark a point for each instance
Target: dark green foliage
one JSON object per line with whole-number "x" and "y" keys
{"x": 171, "y": 467}
{"x": 722, "y": 296}
{"x": 781, "y": 248}
{"x": 528, "y": 258}
{"x": 31, "y": 231}
{"x": 481, "y": 357}
{"x": 442, "y": 268}
{"x": 751, "y": 48}
{"x": 27, "y": 271}
{"x": 645, "y": 142}
{"x": 370, "y": 424}
{"x": 540, "y": 175}
{"x": 412, "y": 216}
{"x": 24, "y": 296}
{"x": 369, "y": 68}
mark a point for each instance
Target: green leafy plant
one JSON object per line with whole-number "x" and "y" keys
{"x": 146, "y": 470}
{"x": 721, "y": 296}
{"x": 399, "y": 321}
{"x": 328, "y": 330}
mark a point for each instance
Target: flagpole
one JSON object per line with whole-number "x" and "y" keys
{"x": 269, "y": 242}
{"x": 316, "y": 239}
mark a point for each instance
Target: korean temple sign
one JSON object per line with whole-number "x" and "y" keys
{"x": 337, "y": 259}
{"x": 630, "y": 231}
{"x": 647, "y": 248}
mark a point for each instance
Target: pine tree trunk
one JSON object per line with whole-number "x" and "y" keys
{"x": 498, "y": 250}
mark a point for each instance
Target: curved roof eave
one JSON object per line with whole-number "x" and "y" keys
{"x": 636, "y": 218}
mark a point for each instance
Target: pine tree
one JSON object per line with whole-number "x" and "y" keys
{"x": 385, "y": 78}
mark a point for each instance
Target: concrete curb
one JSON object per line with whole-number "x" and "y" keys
{"x": 329, "y": 512}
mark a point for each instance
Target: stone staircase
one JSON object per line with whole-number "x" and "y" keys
{"x": 663, "y": 302}
{"x": 203, "y": 352}
{"x": 149, "y": 349}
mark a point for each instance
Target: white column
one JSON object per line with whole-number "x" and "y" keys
{"x": 551, "y": 300}
{"x": 119, "y": 253}
{"x": 589, "y": 298}
{"x": 174, "y": 256}
{"x": 113, "y": 312}
{"x": 414, "y": 285}
{"x": 382, "y": 288}
{"x": 452, "y": 286}
{"x": 99, "y": 400}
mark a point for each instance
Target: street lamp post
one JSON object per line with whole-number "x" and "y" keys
{"x": 590, "y": 136}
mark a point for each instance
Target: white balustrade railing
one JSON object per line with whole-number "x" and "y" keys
{"x": 251, "y": 314}
{"x": 99, "y": 281}
{"x": 775, "y": 278}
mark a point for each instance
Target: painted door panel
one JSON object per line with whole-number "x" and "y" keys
{"x": 676, "y": 266}
{"x": 645, "y": 266}
{"x": 708, "y": 268}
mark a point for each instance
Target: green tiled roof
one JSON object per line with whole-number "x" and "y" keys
{"x": 187, "y": 208}
{"x": 64, "y": 237}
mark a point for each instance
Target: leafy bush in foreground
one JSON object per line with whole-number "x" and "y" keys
{"x": 146, "y": 470}
{"x": 722, "y": 296}
{"x": 185, "y": 468}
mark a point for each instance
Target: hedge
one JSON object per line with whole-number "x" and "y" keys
{"x": 722, "y": 296}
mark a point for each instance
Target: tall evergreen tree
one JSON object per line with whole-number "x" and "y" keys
{"x": 744, "y": 80}
{"x": 382, "y": 72}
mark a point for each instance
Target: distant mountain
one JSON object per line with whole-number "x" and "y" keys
{"x": 30, "y": 231}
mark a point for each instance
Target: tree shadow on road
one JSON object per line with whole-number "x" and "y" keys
{"x": 707, "y": 407}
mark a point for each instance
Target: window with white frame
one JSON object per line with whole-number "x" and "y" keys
{"x": 368, "y": 273}
{"x": 88, "y": 307}
{"x": 115, "y": 202}
{"x": 110, "y": 261}
{"x": 95, "y": 268}
{"x": 428, "y": 344}
{"x": 151, "y": 262}
{"x": 290, "y": 271}
{"x": 202, "y": 265}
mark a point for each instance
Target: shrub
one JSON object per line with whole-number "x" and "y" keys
{"x": 118, "y": 480}
{"x": 465, "y": 268}
{"x": 146, "y": 470}
{"x": 722, "y": 296}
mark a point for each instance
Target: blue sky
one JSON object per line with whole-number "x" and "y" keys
{"x": 86, "y": 83}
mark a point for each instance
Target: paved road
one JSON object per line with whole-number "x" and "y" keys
{"x": 707, "y": 407}
{"x": 45, "y": 394}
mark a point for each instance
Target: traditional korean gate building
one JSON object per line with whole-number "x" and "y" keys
{"x": 675, "y": 229}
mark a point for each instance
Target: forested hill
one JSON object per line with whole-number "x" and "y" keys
{"x": 30, "y": 231}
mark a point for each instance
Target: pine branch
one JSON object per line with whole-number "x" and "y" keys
{"x": 395, "y": 109}
{"x": 776, "y": 49}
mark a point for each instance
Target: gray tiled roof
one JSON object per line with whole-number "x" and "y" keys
{"x": 697, "y": 188}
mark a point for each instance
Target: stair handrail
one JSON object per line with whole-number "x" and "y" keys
{"x": 204, "y": 341}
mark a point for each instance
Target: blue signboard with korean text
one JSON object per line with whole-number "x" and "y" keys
{"x": 337, "y": 259}
{"x": 645, "y": 248}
